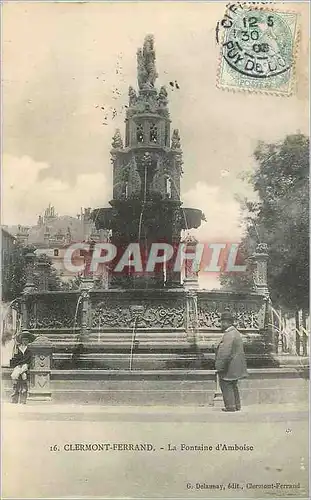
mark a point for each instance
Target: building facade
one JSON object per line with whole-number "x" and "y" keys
{"x": 8, "y": 242}
{"x": 54, "y": 233}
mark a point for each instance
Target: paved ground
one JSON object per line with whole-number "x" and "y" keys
{"x": 39, "y": 459}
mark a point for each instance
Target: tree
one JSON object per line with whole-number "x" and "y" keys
{"x": 16, "y": 272}
{"x": 280, "y": 218}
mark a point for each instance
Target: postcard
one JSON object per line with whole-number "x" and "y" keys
{"x": 155, "y": 250}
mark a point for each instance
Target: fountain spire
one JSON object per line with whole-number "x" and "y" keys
{"x": 146, "y": 69}
{"x": 146, "y": 204}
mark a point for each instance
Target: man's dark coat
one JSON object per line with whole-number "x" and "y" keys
{"x": 230, "y": 360}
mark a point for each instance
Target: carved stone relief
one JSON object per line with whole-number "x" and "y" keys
{"x": 247, "y": 315}
{"x": 52, "y": 313}
{"x": 155, "y": 315}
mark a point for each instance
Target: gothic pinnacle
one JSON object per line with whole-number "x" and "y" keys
{"x": 117, "y": 142}
{"x": 175, "y": 139}
{"x": 132, "y": 96}
{"x": 146, "y": 70}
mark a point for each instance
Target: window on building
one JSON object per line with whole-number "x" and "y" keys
{"x": 153, "y": 136}
{"x": 81, "y": 253}
{"x": 56, "y": 252}
{"x": 140, "y": 133}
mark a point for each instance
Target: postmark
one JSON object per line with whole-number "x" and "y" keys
{"x": 258, "y": 50}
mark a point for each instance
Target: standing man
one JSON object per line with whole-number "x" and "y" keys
{"x": 230, "y": 363}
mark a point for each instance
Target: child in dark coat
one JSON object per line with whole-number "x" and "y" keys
{"x": 21, "y": 363}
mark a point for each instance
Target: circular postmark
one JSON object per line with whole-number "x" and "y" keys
{"x": 259, "y": 44}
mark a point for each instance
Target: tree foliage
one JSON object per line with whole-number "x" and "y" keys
{"x": 16, "y": 272}
{"x": 280, "y": 218}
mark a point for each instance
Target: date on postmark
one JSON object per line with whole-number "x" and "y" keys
{"x": 258, "y": 50}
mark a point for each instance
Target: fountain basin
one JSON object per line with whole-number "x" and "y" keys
{"x": 155, "y": 324}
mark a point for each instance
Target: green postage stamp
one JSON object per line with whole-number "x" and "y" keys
{"x": 258, "y": 50}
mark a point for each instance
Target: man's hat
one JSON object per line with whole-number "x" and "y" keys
{"x": 226, "y": 315}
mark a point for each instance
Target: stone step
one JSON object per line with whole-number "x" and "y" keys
{"x": 123, "y": 361}
{"x": 128, "y": 398}
{"x": 136, "y": 397}
{"x": 127, "y": 388}
{"x": 119, "y": 344}
{"x": 168, "y": 387}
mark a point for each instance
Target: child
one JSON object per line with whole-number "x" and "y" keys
{"x": 21, "y": 364}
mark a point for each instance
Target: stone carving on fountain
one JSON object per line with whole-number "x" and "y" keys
{"x": 52, "y": 312}
{"x": 146, "y": 70}
{"x": 162, "y": 99}
{"x": 248, "y": 316}
{"x": 175, "y": 139}
{"x": 260, "y": 257}
{"x": 262, "y": 248}
{"x": 117, "y": 142}
{"x": 164, "y": 314}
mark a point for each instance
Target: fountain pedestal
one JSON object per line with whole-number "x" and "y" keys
{"x": 40, "y": 374}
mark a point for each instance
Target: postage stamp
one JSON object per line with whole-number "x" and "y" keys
{"x": 258, "y": 50}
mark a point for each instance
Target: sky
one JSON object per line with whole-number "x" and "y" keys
{"x": 64, "y": 62}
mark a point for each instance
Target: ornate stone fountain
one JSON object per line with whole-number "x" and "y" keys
{"x": 144, "y": 325}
